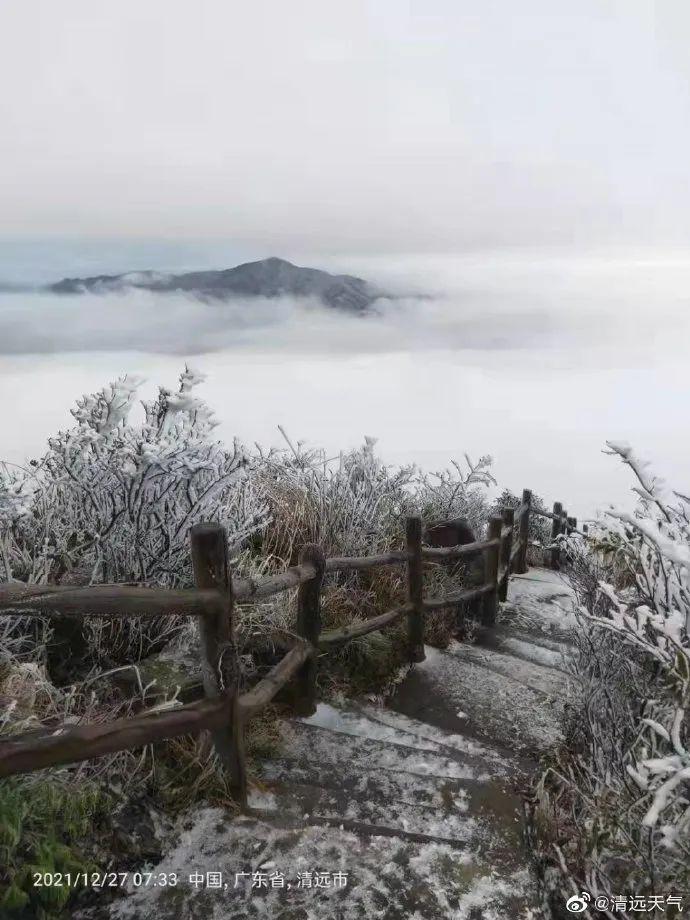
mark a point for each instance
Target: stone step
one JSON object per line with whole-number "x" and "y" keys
{"x": 535, "y": 675}
{"x": 515, "y": 704}
{"x": 387, "y": 725}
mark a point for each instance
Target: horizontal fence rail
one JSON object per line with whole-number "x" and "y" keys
{"x": 225, "y": 711}
{"x": 103, "y": 600}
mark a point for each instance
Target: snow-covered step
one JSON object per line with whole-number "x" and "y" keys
{"x": 440, "y": 793}
{"x": 528, "y": 670}
{"x": 526, "y": 650}
{"x": 316, "y": 752}
{"x": 387, "y": 724}
{"x": 517, "y": 705}
{"x": 541, "y": 602}
{"x": 558, "y": 644}
{"x": 386, "y": 877}
{"x": 374, "y": 813}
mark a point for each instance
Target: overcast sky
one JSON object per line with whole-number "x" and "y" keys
{"x": 385, "y": 125}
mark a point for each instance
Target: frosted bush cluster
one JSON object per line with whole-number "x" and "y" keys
{"x": 353, "y": 504}
{"x": 113, "y": 500}
{"x": 628, "y": 785}
{"x": 453, "y": 493}
{"x": 350, "y": 505}
{"x": 654, "y": 618}
{"x": 114, "y": 496}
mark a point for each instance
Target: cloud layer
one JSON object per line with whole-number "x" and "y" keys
{"x": 492, "y": 301}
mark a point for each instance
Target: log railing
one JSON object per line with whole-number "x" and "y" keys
{"x": 561, "y": 525}
{"x": 225, "y": 711}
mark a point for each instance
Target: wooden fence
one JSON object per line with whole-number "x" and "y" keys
{"x": 224, "y": 711}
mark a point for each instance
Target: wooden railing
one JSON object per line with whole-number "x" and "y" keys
{"x": 561, "y": 524}
{"x": 224, "y": 711}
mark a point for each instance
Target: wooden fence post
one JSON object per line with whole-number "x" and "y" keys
{"x": 415, "y": 589}
{"x": 555, "y": 531}
{"x": 490, "y": 606}
{"x": 309, "y": 627}
{"x": 219, "y": 662}
{"x": 521, "y": 566}
{"x": 508, "y": 516}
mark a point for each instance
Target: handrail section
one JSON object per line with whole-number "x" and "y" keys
{"x": 225, "y": 711}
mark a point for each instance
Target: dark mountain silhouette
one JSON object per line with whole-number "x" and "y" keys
{"x": 266, "y": 278}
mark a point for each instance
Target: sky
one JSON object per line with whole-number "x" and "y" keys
{"x": 387, "y": 126}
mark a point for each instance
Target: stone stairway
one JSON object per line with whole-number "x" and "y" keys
{"x": 411, "y": 811}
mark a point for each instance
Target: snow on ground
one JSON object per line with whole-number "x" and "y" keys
{"x": 382, "y": 724}
{"x": 311, "y": 747}
{"x": 536, "y": 653}
{"x": 543, "y": 600}
{"x": 261, "y": 798}
{"x": 423, "y": 788}
{"x": 504, "y": 698}
{"x": 413, "y": 803}
{"x": 384, "y": 876}
{"x": 510, "y": 688}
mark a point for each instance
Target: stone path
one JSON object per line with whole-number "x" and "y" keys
{"x": 416, "y": 804}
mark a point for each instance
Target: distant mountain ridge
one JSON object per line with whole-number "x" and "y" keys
{"x": 266, "y": 278}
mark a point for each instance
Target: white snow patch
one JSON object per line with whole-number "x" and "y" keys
{"x": 313, "y": 751}
{"x": 438, "y": 736}
{"x": 488, "y": 891}
{"x": 532, "y": 674}
{"x": 348, "y": 723}
{"x": 533, "y": 652}
{"x": 515, "y": 701}
{"x": 544, "y": 597}
{"x": 261, "y": 798}
{"x": 377, "y": 867}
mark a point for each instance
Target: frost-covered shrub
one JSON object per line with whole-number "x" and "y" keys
{"x": 539, "y": 532}
{"x": 539, "y": 527}
{"x": 616, "y": 806}
{"x": 355, "y": 505}
{"x": 349, "y": 505}
{"x": 113, "y": 500}
{"x": 114, "y": 497}
{"x": 452, "y": 493}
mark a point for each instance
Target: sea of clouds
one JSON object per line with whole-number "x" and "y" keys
{"x": 494, "y": 301}
{"x": 535, "y": 359}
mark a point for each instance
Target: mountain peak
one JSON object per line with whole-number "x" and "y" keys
{"x": 271, "y": 277}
